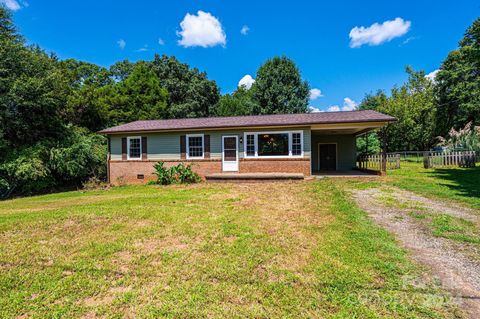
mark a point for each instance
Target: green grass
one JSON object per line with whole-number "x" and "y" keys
{"x": 264, "y": 250}
{"x": 458, "y": 184}
{"x": 455, "y": 228}
{"x": 450, "y": 227}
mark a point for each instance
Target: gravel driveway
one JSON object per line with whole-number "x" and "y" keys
{"x": 451, "y": 263}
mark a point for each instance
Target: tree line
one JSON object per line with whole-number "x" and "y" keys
{"x": 430, "y": 108}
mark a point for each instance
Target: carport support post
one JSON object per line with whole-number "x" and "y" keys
{"x": 383, "y": 168}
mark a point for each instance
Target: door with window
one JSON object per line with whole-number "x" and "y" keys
{"x": 327, "y": 157}
{"x": 230, "y": 153}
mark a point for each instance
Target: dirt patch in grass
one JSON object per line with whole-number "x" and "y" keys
{"x": 107, "y": 298}
{"x": 448, "y": 261}
{"x": 154, "y": 245}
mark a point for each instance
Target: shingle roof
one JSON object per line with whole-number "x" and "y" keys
{"x": 251, "y": 121}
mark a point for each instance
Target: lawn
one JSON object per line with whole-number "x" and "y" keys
{"x": 209, "y": 250}
{"x": 458, "y": 184}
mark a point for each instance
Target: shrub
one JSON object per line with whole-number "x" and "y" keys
{"x": 179, "y": 174}
{"x": 52, "y": 164}
{"x": 164, "y": 174}
{"x": 465, "y": 139}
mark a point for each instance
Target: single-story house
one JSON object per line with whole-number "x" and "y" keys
{"x": 287, "y": 143}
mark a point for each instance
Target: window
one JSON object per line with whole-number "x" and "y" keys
{"x": 274, "y": 144}
{"x": 134, "y": 148}
{"x": 296, "y": 144}
{"x": 250, "y": 144}
{"x": 195, "y": 146}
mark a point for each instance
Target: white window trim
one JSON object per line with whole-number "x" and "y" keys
{"x": 255, "y": 141}
{"x": 188, "y": 146}
{"x": 128, "y": 148}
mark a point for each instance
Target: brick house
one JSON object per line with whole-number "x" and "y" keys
{"x": 288, "y": 143}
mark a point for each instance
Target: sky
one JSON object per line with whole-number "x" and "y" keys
{"x": 344, "y": 49}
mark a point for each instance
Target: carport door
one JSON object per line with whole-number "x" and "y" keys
{"x": 328, "y": 157}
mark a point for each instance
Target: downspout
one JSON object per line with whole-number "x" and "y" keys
{"x": 108, "y": 159}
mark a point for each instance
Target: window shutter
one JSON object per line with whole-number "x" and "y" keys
{"x": 183, "y": 147}
{"x": 206, "y": 147}
{"x": 124, "y": 148}
{"x": 109, "y": 145}
{"x": 144, "y": 148}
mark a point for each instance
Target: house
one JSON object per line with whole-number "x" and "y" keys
{"x": 288, "y": 143}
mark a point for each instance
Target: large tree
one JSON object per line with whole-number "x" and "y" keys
{"x": 239, "y": 102}
{"x": 279, "y": 88}
{"x": 413, "y": 106}
{"x": 33, "y": 91}
{"x": 139, "y": 97}
{"x": 458, "y": 84}
{"x": 87, "y": 82}
{"x": 190, "y": 92}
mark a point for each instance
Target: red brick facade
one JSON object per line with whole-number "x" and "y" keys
{"x": 127, "y": 172}
{"x": 274, "y": 165}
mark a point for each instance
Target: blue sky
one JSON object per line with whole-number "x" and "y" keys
{"x": 326, "y": 39}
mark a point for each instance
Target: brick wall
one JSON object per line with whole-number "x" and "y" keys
{"x": 125, "y": 172}
{"x": 273, "y": 165}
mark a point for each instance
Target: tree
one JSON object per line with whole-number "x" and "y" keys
{"x": 279, "y": 88}
{"x": 139, "y": 97}
{"x": 458, "y": 84}
{"x": 121, "y": 70}
{"x": 238, "y": 103}
{"x": 190, "y": 92}
{"x": 413, "y": 106}
{"x": 86, "y": 82}
{"x": 33, "y": 91}
{"x": 369, "y": 144}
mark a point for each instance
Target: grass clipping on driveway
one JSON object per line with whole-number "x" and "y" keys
{"x": 240, "y": 250}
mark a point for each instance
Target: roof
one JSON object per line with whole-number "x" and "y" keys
{"x": 251, "y": 121}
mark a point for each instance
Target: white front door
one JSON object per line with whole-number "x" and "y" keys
{"x": 230, "y": 153}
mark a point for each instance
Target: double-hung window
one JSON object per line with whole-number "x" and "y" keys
{"x": 296, "y": 144}
{"x": 250, "y": 145}
{"x": 274, "y": 144}
{"x": 195, "y": 146}
{"x": 134, "y": 146}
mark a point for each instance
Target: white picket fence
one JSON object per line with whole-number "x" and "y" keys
{"x": 374, "y": 162}
{"x": 446, "y": 159}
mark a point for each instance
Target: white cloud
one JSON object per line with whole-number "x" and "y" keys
{"x": 142, "y": 49}
{"x": 244, "y": 30}
{"x": 121, "y": 44}
{"x": 246, "y": 81}
{"x": 408, "y": 40}
{"x": 11, "y": 4}
{"x": 202, "y": 30}
{"x": 160, "y": 41}
{"x": 348, "y": 105}
{"x": 314, "y": 109}
{"x": 333, "y": 108}
{"x": 377, "y": 34}
{"x": 315, "y": 93}
{"x": 432, "y": 75}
